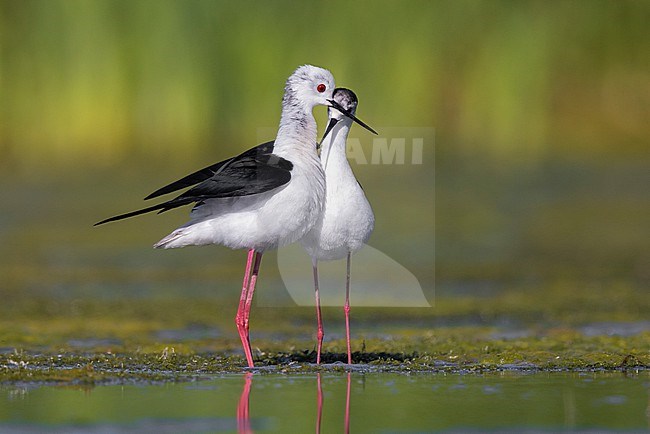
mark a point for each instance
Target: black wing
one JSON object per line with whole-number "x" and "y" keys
{"x": 248, "y": 173}
{"x": 207, "y": 172}
{"x": 243, "y": 176}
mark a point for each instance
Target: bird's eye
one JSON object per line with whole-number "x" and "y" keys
{"x": 321, "y": 88}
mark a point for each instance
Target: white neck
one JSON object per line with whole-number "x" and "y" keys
{"x": 297, "y": 126}
{"x": 333, "y": 153}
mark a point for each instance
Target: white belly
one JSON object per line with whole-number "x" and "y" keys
{"x": 345, "y": 226}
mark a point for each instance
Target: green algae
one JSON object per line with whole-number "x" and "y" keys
{"x": 447, "y": 351}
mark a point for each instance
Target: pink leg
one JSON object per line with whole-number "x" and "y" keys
{"x": 242, "y": 326}
{"x": 320, "y": 333}
{"x": 243, "y": 409}
{"x": 249, "y": 301}
{"x": 346, "y": 308}
{"x": 319, "y": 402}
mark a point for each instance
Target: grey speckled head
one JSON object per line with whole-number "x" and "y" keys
{"x": 346, "y": 98}
{"x": 343, "y": 108}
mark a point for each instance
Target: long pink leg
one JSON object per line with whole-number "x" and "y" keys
{"x": 319, "y": 318}
{"x": 346, "y": 308}
{"x": 242, "y": 326}
{"x": 249, "y": 301}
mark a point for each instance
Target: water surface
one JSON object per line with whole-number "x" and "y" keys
{"x": 371, "y": 402}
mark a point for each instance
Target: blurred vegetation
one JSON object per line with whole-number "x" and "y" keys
{"x": 103, "y": 81}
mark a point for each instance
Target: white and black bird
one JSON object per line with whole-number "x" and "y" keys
{"x": 266, "y": 197}
{"x": 347, "y": 219}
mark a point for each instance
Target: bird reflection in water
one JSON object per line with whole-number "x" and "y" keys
{"x": 243, "y": 407}
{"x": 319, "y": 403}
{"x": 347, "y": 406}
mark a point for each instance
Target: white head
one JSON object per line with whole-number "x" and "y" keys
{"x": 308, "y": 87}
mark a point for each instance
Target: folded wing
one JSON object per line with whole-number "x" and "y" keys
{"x": 207, "y": 172}
{"x": 255, "y": 171}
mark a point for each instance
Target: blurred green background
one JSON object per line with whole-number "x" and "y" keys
{"x": 102, "y": 81}
{"x": 539, "y": 175}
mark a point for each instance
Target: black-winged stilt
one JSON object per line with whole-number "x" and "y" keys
{"x": 347, "y": 219}
{"x": 266, "y": 197}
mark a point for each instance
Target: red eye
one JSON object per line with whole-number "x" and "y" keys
{"x": 321, "y": 88}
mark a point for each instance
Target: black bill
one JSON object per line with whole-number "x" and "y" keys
{"x": 328, "y": 129}
{"x": 337, "y": 106}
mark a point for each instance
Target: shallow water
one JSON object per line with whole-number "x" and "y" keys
{"x": 385, "y": 403}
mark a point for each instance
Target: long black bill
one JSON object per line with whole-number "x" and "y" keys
{"x": 338, "y": 106}
{"x": 328, "y": 129}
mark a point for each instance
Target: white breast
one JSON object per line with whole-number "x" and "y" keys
{"x": 347, "y": 220}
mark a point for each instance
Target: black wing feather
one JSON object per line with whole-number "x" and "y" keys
{"x": 245, "y": 176}
{"x": 161, "y": 206}
{"x": 254, "y": 171}
{"x": 207, "y": 172}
